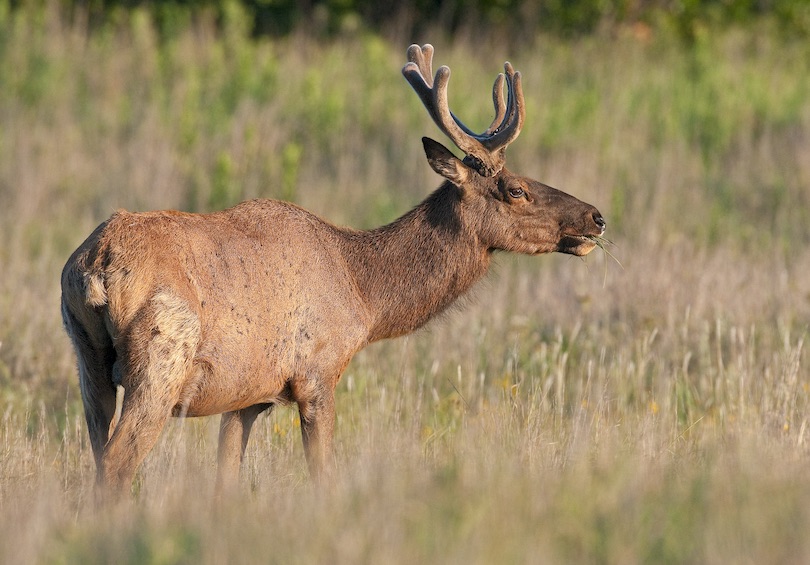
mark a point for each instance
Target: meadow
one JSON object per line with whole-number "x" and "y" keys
{"x": 654, "y": 409}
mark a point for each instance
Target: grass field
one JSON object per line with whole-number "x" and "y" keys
{"x": 570, "y": 411}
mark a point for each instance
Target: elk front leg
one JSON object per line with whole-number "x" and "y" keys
{"x": 234, "y": 430}
{"x": 317, "y": 428}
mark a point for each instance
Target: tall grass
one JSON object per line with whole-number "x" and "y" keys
{"x": 570, "y": 411}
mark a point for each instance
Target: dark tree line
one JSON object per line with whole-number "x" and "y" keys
{"x": 516, "y": 18}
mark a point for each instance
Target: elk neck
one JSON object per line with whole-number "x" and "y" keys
{"x": 408, "y": 271}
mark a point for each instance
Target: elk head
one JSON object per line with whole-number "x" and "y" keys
{"x": 510, "y": 212}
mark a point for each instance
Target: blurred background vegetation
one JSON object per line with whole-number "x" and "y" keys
{"x": 513, "y": 20}
{"x": 686, "y": 123}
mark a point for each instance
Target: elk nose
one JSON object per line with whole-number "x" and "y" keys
{"x": 599, "y": 221}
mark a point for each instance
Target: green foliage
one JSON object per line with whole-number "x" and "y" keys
{"x": 290, "y": 169}
{"x": 224, "y": 187}
{"x": 515, "y": 20}
{"x": 700, "y": 140}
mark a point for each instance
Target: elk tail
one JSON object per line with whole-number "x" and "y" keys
{"x": 95, "y": 290}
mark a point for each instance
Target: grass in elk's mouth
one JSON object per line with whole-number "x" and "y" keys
{"x": 603, "y": 243}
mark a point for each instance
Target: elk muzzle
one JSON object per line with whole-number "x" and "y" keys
{"x": 582, "y": 236}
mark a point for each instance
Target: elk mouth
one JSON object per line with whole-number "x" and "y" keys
{"x": 582, "y": 243}
{"x": 579, "y": 245}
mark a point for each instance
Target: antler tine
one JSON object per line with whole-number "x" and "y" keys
{"x": 500, "y": 105}
{"x": 484, "y": 151}
{"x": 515, "y": 114}
{"x": 422, "y": 57}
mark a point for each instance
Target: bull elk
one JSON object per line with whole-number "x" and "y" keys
{"x": 232, "y": 312}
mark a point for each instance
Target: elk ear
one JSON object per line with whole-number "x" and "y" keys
{"x": 445, "y": 163}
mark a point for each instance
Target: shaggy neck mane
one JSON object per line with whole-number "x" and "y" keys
{"x": 413, "y": 268}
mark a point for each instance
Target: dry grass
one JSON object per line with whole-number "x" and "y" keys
{"x": 571, "y": 411}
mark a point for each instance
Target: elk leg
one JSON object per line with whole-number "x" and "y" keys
{"x": 153, "y": 382}
{"x": 95, "y": 358}
{"x": 145, "y": 412}
{"x": 234, "y": 430}
{"x": 147, "y": 404}
{"x": 317, "y": 428}
{"x": 98, "y": 398}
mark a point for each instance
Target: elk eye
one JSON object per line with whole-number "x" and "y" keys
{"x": 516, "y": 192}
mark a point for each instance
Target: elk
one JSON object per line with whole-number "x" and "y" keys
{"x": 235, "y": 311}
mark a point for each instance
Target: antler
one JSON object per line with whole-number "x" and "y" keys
{"x": 485, "y": 151}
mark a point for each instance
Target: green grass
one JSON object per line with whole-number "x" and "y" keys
{"x": 570, "y": 411}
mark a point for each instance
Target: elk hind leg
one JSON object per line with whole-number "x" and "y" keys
{"x": 96, "y": 357}
{"x": 143, "y": 415}
{"x": 234, "y": 431}
{"x": 317, "y": 415}
{"x": 153, "y": 378}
